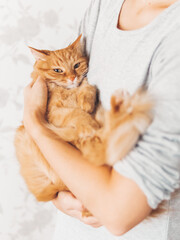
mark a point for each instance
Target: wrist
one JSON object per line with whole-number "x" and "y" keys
{"x": 34, "y": 123}
{"x": 39, "y": 129}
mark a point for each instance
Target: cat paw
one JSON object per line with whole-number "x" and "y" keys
{"x": 87, "y": 132}
{"x": 86, "y": 102}
{"x": 118, "y": 98}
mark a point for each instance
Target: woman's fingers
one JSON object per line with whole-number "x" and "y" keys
{"x": 31, "y": 84}
{"x": 75, "y": 213}
{"x": 66, "y": 201}
{"x": 39, "y": 81}
{"x": 92, "y": 221}
{"x": 70, "y": 205}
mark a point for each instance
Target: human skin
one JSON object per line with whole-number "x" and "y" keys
{"x": 136, "y": 14}
{"x": 109, "y": 207}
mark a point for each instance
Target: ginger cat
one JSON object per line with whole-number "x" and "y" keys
{"x": 103, "y": 137}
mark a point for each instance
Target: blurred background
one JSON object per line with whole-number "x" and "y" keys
{"x": 43, "y": 24}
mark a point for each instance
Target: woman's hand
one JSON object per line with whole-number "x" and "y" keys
{"x": 35, "y": 102}
{"x": 68, "y": 204}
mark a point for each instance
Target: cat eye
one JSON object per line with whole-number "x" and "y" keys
{"x": 76, "y": 65}
{"x": 58, "y": 70}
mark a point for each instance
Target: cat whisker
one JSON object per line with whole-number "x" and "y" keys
{"x": 85, "y": 74}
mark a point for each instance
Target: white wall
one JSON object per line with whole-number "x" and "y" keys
{"x": 44, "y": 24}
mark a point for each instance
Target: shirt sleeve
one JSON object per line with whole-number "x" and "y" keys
{"x": 154, "y": 164}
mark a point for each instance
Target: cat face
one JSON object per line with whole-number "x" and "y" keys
{"x": 65, "y": 67}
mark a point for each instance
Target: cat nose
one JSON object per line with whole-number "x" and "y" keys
{"x": 72, "y": 78}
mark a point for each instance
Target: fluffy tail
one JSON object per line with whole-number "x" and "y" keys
{"x": 129, "y": 117}
{"x": 141, "y": 109}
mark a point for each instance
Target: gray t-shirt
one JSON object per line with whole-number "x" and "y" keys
{"x": 126, "y": 60}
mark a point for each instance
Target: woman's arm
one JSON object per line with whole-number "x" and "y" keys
{"x": 116, "y": 201}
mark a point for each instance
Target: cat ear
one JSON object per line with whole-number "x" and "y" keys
{"x": 40, "y": 54}
{"x": 76, "y": 43}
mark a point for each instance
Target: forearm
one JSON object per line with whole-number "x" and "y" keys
{"x": 82, "y": 178}
{"x": 104, "y": 192}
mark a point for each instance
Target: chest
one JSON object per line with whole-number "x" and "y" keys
{"x": 118, "y": 63}
{"x": 138, "y": 14}
{"x": 60, "y": 97}
{"x": 122, "y": 59}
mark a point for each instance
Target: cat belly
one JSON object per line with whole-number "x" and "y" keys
{"x": 78, "y": 121}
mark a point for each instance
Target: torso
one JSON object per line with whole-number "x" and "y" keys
{"x": 122, "y": 59}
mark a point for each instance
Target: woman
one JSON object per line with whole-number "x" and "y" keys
{"x": 129, "y": 43}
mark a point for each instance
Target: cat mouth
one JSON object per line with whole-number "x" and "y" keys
{"x": 73, "y": 84}
{"x": 70, "y": 84}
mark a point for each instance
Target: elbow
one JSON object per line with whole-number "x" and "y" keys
{"x": 120, "y": 224}
{"x": 117, "y": 230}
{"x": 116, "y": 221}
{"x": 117, "y": 227}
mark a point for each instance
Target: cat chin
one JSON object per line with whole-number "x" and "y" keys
{"x": 73, "y": 86}
{"x": 77, "y": 82}
{"x": 70, "y": 84}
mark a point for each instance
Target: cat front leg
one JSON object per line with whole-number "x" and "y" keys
{"x": 86, "y": 98}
